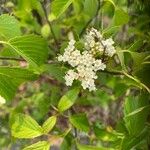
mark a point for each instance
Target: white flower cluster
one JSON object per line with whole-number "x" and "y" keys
{"x": 94, "y": 42}
{"x": 85, "y": 64}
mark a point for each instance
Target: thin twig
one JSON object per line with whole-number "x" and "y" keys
{"x": 91, "y": 19}
{"x": 12, "y": 58}
{"x": 137, "y": 81}
{"x": 75, "y": 131}
{"x": 112, "y": 72}
{"x": 103, "y": 71}
{"x": 102, "y": 25}
{"x": 50, "y": 25}
{"x": 55, "y": 62}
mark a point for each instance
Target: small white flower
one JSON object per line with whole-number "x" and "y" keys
{"x": 98, "y": 65}
{"x": 88, "y": 84}
{"x": 95, "y": 33}
{"x": 2, "y": 100}
{"x": 109, "y": 48}
{"x": 74, "y": 58}
{"x": 70, "y": 77}
{"x": 60, "y": 58}
{"x": 92, "y": 44}
{"x": 72, "y": 42}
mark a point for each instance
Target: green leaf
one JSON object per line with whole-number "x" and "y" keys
{"x": 33, "y": 48}
{"x": 18, "y": 73}
{"x": 49, "y": 124}
{"x": 103, "y": 134}
{"x": 138, "y": 59}
{"x": 23, "y": 126}
{"x": 10, "y": 78}
{"x": 108, "y": 7}
{"x": 90, "y": 147}
{"x": 41, "y": 145}
{"x": 9, "y": 27}
{"x": 143, "y": 74}
{"x": 57, "y": 71}
{"x": 134, "y": 47}
{"x": 68, "y": 100}
{"x": 139, "y": 110}
{"x": 132, "y": 80}
{"x": 121, "y": 58}
{"x": 120, "y": 17}
{"x": 60, "y": 6}
{"x": 25, "y": 10}
{"x": 111, "y": 2}
{"x": 110, "y": 31}
{"x": 66, "y": 144}
{"x": 78, "y": 6}
{"x": 129, "y": 142}
{"x": 136, "y": 111}
{"x": 139, "y": 66}
{"x": 80, "y": 121}
{"x": 90, "y": 7}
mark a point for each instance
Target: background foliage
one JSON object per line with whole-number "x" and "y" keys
{"x": 40, "y": 111}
